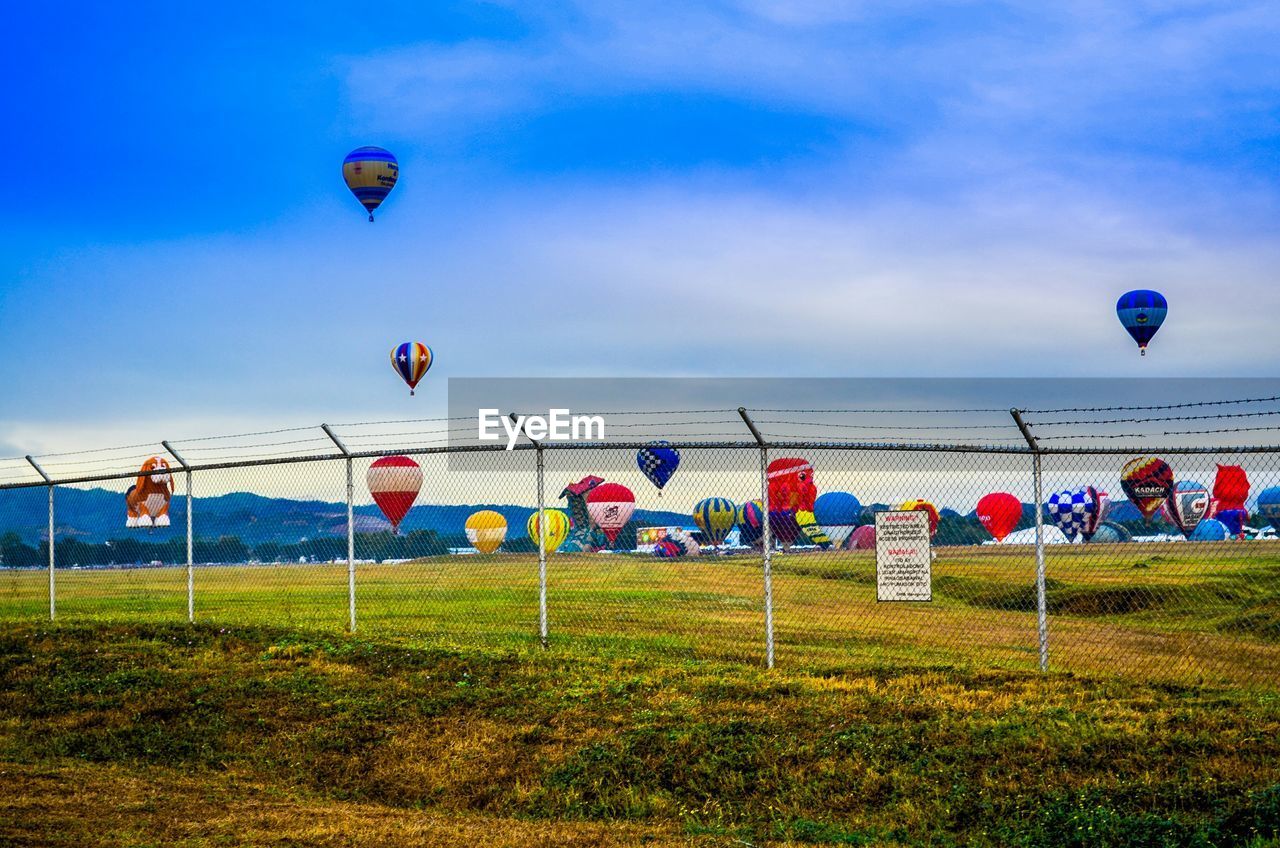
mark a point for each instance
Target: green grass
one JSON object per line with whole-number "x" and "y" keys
{"x": 133, "y": 734}
{"x": 1207, "y": 613}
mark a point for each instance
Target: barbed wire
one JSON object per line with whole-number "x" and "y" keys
{"x": 1008, "y": 426}
{"x": 876, "y": 411}
{"x": 1187, "y": 405}
{"x": 1222, "y": 416}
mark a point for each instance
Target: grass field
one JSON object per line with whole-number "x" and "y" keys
{"x": 1186, "y": 613}
{"x": 168, "y": 734}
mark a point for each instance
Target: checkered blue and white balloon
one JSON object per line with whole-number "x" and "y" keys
{"x": 1074, "y": 512}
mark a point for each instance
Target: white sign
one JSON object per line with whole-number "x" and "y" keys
{"x": 903, "y": 560}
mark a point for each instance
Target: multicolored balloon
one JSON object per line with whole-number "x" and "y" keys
{"x": 1187, "y": 505}
{"x": 371, "y": 173}
{"x": 751, "y": 522}
{"x": 1148, "y": 481}
{"x": 837, "y": 513}
{"x": 610, "y": 506}
{"x": 557, "y": 529}
{"x": 1075, "y": 513}
{"x": 394, "y": 482}
{"x": 658, "y": 462}
{"x": 999, "y": 513}
{"x": 486, "y": 530}
{"x": 1142, "y": 312}
{"x": 668, "y": 549}
{"x": 923, "y": 506}
{"x": 411, "y": 361}
{"x": 715, "y": 517}
{"x": 1269, "y": 505}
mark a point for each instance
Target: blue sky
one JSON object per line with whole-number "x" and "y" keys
{"x": 746, "y": 189}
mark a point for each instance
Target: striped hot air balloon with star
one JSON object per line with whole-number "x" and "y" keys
{"x": 411, "y": 361}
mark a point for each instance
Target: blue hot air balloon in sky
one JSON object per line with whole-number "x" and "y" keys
{"x": 658, "y": 461}
{"x": 1142, "y": 312}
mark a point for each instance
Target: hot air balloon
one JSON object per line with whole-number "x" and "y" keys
{"x": 1075, "y": 512}
{"x": 863, "y": 538}
{"x": 146, "y": 502}
{"x": 371, "y": 173}
{"x": 1147, "y": 481}
{"x": 715, "y": 517}
{"x": 923, "y": 506}
{"x": 1230, "y": 490}
{"x": 837, "y": 513}
{"x": 687, "y": 543}
{"x": 1209, "y": 530}
{"x": 1187, "y": 505}
{"x": 751, "y": 522}
{"x": 411, "y": 361}
{"x": 658, "y": 462}
{"x": 610, "y": 506}
{"x": 486, "y": 529}
{"x": 1142, "y": 312}
{"x": 1108, "y": 533}
{"x": 1269, "y": 505}
{"x": 999, "y": 513}
{"x": 557, "y": 529}
{"x": 394, "y": 482}
{"x": 791, "y": 491}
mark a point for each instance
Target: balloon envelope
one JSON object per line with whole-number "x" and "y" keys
{"x": 863, "y": 537}
{"x": 837, "y": 508}
{"x": 715, "y": 517}
{"x": 557, "y": 529}
{"x": 1147, "y": 481}
{"x": 1269, "y": 505}
{"x": 610, "y": 506}
{"x": 923, "y": 506}
{"x": 668, "y": 549}
{"x": 411, "y": 361}
{"x": 999, "y": 513}
{"x": 394, "y": 482}
{"x": 1142, "y": 312}
{"x": 751, "y": 522}
{"x": 1187, "y": 505}
{"x": 486, "y": 530}
{"x": 1108, "y": 533}
{"x": 1209, "y": 530}
{"x": 1075, "y": 512}
{"x": 370, "y": 173}
{"x": 658, "y": 461}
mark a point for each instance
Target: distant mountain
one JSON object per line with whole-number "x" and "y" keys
{"x": 96, "y": 515}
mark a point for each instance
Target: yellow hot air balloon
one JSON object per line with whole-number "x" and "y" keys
{"x": 371, "y": 173}
{"x": 557, "y": 529}
{"x": 485, "y": 530}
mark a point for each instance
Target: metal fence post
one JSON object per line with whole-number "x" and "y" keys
{"x": 1042, "y": 600}
{"x": 767, "y": 538}
{"x": 53, "y": 593}
{"x": 542, "y": 550}
{"x": 351, "y": 528}
{"x": 542, "y": 533}
{"x": 191, "y": 564}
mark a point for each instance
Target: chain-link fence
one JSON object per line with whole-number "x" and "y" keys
{"x": 301, "y": 529}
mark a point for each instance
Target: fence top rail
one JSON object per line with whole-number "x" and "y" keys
{"x": 887, "y": 447}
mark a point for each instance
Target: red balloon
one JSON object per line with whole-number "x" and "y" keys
{"x": 999, "y": 512}
{"x": 862, "y": 538}
{"x": 394, "y": 482}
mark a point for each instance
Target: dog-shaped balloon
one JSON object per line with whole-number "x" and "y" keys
{"x": 147, "y": 501}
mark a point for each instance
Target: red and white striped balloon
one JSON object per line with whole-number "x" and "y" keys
{"x": 394, "y": 482}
